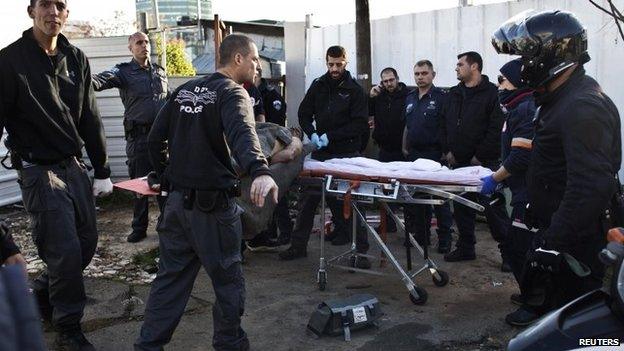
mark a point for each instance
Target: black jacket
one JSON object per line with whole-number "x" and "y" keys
{"x": 143, "y": 91}
{"x": 201, "y": 122}
{"x": 339, "y": 109}
{"x": 471, "y": 123}
{"x": 7, "y": 246}
{"x": 516, "y": 142}
{"x": 387, "y": 108}
{"x": 576, "y": 154}
{"x": 274, "y": 104}
{"x": 49, "y": 110}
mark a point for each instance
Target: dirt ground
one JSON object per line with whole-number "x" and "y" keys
{"x": 467, "y": 314}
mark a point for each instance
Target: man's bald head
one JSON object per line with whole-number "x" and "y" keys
{"x": 139, "y": 46}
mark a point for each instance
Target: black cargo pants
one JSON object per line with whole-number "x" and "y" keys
{"x": 60, "y": 202}
{"x": 190, "y": 239}
{"x": 139, "y": 166}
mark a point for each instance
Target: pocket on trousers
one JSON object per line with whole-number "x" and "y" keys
{"x": 37, "y": 192}
{"x": 230, "y": 233}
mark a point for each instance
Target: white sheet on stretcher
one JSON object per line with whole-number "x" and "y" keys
{"x": 421, "y": 170}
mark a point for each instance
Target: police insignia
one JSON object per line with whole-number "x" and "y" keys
{"x": 277, "y": 105}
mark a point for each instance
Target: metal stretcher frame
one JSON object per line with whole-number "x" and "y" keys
{"x": 384, "y": 192}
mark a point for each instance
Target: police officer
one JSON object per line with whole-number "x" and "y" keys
{"x": 48, "y": 108}
{"x": 200, "y": 226}
{"x": 518, "y": 106}
{"x": 143, "y": 89}
{"x": 256, "y": 100}
{"x": 471, "y": 123}
{"x": 275, "y": 112}
{"x": 576, "y": 151}
{"x": 421, "y": 140}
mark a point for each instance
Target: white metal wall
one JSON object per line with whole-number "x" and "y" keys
{"x": 440, "y": 35}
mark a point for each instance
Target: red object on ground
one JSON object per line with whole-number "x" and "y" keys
{"x": 137, "y": 185}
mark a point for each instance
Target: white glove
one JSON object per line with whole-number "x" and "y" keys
{"x": 102, "y": 187}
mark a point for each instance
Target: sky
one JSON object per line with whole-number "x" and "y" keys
{"x": 14, "y": 20}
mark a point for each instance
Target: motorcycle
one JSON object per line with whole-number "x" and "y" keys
{"x": 592, "y": 320}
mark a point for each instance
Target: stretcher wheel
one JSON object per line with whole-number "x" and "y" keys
{"x": 422, "y": 293}
{"x": 322, "y": 280}
{"x": 442, "y": 281}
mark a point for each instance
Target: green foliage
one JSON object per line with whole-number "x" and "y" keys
{"x": 177, "y": 62}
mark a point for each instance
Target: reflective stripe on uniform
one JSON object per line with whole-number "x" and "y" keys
{"x": 523, "y": 143}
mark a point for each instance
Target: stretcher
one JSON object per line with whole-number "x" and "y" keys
{"x": 362, "y": 182}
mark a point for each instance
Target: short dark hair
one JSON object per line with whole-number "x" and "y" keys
{"x": 34, "y": 2}
{"x": 336, "y": 51}
{"x": 234, "y": 44}
{"x": 472, "y": 57}
{"x": 424, "y": 63}
{"x": 391, "y": 70}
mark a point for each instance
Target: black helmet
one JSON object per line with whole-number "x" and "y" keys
{"x": 549, "y": 43}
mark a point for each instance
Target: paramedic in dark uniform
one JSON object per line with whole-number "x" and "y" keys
{"x": 143, "y": 89}
{"x": 48, "y": 108}
{"x": 200, "y": 225}
{"x": 576, "y": 151}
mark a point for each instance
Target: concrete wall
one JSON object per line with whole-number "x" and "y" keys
{"x": 440, "y": 35}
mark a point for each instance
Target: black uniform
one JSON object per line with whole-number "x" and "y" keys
{"x": 387, "y": 109}
{"x": 202, "y": 121}
{"x": 471, "y": 123}
{"x": 340, "y": 110}
{"x": 48, "y": 108}
{"x": 274, "y": 104}
{"x": 422, "y": 118}
{"x": 576, "y": 154}
{"x": 143, "y": 92}
{"x": 256, "y": 99}
{"x": 275, "y": 112}
{"x": 516, "y": 142}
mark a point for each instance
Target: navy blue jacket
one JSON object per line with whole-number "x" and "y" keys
{"x": 143, "y": 91}
{"x": 387, "y": 108}
{"x": 516, "y": 142}
{"x": 422, "y": 118}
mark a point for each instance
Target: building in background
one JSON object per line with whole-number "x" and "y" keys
{"x": 172, "y": 11}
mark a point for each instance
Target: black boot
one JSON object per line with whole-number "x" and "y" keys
{"x": 291, "y": 253}
{"x": 136, "y": 236}
{"x": 72, "y": 340}
{"x": 460, "y": 255}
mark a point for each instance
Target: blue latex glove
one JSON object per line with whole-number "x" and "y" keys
{"x": 323, "y": 141}
{"x": 489, "y": 186}
{"x": 314, "y": 139}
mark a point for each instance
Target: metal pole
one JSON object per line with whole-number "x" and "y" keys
{"x": 156, "y": 13}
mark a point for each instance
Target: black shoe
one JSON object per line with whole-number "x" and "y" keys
{"x": 292, "y": 253}
{"x": 136, "y": 236}
{"x": 444, "y": 247}
{"x": 341, "y": 240}
{"x": 72, "y": 341}
{"x": 516, "y": 299}
{"x": 43, "y": 302}
{"x": 521, "y": 317}
{"x": 261, "y": 243}
{"x": 360, "y": 262}
{"x": 459, "y": 255}
{"x": 505, "y": 267}
{"x": 282, "y": 240}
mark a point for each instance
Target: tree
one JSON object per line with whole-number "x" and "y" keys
{"x": 177, "y": 62}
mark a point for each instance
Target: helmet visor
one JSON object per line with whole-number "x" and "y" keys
{"x": 513, "y": 37}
